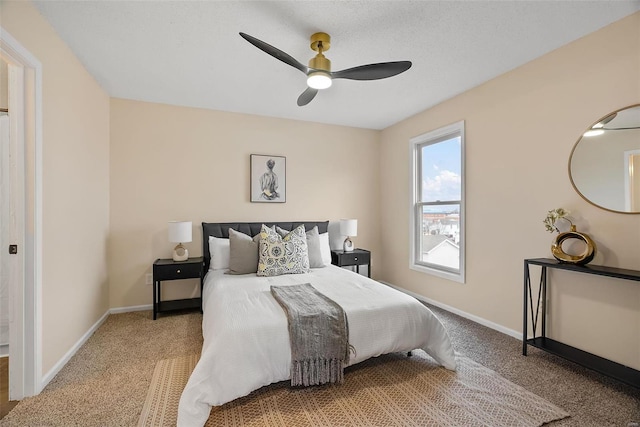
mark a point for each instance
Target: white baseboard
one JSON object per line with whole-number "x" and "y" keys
{"x": 58, "y": 366}
{"x": 131, "y": 308}
{"x": 4, "y": 350}
{"x": 480, "y": 320}
{"x": 65, "y": 359}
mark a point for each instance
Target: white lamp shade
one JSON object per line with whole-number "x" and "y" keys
{"x": 179, "y": 231}
{"x": 349, "y": 227}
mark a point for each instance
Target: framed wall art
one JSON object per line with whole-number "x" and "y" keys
{"x": 268, "y": 179}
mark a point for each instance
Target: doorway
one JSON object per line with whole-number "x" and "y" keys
{"x": 5, "y": 404}
{"x": 22, "y": 217}
{"x": 4, "y": 144}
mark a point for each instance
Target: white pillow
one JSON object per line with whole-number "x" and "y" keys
{"x": 325, "y": 249}
{"x": 219, "y": 250}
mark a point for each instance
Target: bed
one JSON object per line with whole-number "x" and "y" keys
{"x": 245, "y": 331}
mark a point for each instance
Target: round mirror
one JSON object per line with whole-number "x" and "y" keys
{"x": 604, "y": 166}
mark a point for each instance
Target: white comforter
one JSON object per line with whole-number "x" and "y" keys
{"x": 246, "y": 338}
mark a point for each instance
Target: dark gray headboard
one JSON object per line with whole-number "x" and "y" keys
{"x": 221, "y": 230}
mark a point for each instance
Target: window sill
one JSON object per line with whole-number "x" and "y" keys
{"x": 456, "y": 277}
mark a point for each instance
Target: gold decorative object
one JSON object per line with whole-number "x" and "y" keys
{"x": 585, "y": 257}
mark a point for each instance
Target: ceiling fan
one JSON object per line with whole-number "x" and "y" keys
{"x": 319, "y": 74}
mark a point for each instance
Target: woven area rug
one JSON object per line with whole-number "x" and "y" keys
{"x": 390, "y": 390}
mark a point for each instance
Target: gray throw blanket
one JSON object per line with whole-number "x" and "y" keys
{"x": 319, "y": 335}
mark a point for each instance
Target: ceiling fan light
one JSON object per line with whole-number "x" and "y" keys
{"x": 319, "y": 80}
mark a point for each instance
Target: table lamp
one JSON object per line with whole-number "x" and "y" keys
{"x": 180, "y": 232}
{"x": 349, "y": 228}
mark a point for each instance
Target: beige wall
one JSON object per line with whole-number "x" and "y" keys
{"x": 520, "y": 129}
{"x": 75, "y": 178}
{"x": 178, "y": 163}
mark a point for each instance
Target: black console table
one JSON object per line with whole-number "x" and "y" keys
{"x": 604, "y": 366}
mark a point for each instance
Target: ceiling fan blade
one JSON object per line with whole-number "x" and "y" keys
{"x": 275, "y": 52}
{"x": 373, "y": 71}
{"x": 307, "y": 96}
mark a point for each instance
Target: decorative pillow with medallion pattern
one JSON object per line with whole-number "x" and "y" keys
{"x": 283, "y": 255}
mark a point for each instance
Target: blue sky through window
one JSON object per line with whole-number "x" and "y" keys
{"x": 441, "y": 173}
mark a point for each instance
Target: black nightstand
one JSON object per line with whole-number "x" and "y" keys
{"x": 355, "y": 257}
{"x": 168, "y": 269}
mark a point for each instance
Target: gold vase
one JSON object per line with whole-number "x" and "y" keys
{"x": 585, "y": 257}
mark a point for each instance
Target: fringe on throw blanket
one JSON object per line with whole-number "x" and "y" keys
{"x": 316, "y": 372}
{"x": 318, "y": 332}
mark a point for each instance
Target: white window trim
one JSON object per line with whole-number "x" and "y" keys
{"x": 413, "y": 168}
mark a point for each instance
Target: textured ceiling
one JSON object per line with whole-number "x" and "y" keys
{"x": 189, "y": 53}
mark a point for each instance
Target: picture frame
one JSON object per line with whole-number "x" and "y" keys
{"x": 268, "y": 179}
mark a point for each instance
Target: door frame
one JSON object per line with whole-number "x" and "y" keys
{"x": 25, "y": 293}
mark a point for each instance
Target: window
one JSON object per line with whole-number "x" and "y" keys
{"x": 437, "y": 205}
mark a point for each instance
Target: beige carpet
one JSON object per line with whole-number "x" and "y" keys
{"x": 106, "y": 382}
{"x": 390, "y": 390}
